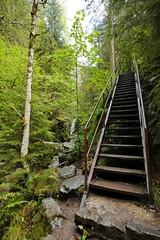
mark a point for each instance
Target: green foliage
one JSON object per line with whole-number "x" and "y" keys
{"x": 84, "y": 232}
{"x": 154, "y": 110}
{"x": 14, "y": 233}
{"x": 47, "y": 183}
{"x": 52, "y": 95}
{"x": 11, "y": 100}
{"x": 21, "y": 195}
{"x": 15, "y": 21}
{"x": 156, "y": 194}
{"x": 135, "y": 25}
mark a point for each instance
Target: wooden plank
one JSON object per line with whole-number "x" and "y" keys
{"x": 122, "y": 136}
{"x": 125, "y": 98}
{"x": 123, "y": 121}
{"x": 121, "y": 145}
{"x": 127, "y": 171}
{"x": 124, "y": 94}
{"x": 124, "y": 128}
{"x": 123, "y": 116}
{"x": 128, "y": 85}
{"x": 117, "y": 103}
{"x": 126, "y": 89}
{"x": 127, "y": 157}
{"x": 119, "y": 187}
{"x": 124, "y": 106}
{"x": 125, "y": 110}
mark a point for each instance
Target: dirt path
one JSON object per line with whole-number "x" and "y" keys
{"x": 67, "y": 232}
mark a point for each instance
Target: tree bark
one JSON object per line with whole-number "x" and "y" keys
{"x": 112, "y": 44}
{"x": 26, "y": 130}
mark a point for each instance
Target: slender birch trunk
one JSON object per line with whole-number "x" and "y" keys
{"x": 26, "y": 130}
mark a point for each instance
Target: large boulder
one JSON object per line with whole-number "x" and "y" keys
{"x": 72, "y": 184}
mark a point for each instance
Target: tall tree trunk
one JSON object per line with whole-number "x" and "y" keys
{"x": 112, "y": 43}
{"x": 113, "y": 55}
{"x": 26, "y": 130}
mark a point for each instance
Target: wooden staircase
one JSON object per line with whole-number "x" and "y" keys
{"x": 120, "y": 165}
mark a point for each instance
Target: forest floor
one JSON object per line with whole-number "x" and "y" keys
{"x": 68, "y": 230}
{"x": 69, "y": 206}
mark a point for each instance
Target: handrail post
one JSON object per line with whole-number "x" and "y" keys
{"x": 85, "y": 158}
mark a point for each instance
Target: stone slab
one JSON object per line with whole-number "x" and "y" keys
{"x": 109, "y": 218}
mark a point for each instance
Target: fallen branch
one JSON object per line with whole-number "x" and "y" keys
{"x": 53, "y": 143}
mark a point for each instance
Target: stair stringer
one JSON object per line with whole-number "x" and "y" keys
{"x": 143, "y": 135}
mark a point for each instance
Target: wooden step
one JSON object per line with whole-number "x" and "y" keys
{"x": 124, "y": 128}
{"x": 119, "y": 103}
{"x": 124, "y": 110}
{"x": 123, "y": 116}
{"x": 129, "y": 84}
{"x": 122, "y": 121}
{"x": 125, "y": 89}
{"x": 119, "y": 156}
{"x": 119, "y": 187}
{"x": 122, "y": 136}
{"x": 124, "y": 98}
{"x": 126, "y": 171}
{"x": 121, "y": 145}
{"x": 124, "y": 92}
{"x": 127, "y": 95}
{"x": 124, "y": 106}
{"x": 126, "y": 80}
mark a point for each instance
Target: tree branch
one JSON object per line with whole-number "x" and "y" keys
{"x": 14, "y": 22}
{"x": 19, "y": 114}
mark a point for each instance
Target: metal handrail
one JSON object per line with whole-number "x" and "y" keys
{"x": 144, "y": 131}
{"x": 87, "y": 152}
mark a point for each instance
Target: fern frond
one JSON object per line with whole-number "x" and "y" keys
{"x": 16, "y": 204}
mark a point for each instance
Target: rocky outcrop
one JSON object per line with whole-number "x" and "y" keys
{"x": 114, "y": 219}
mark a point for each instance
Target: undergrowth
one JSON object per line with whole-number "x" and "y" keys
{"x": 156, "y": 195}
{"x": 21, "y": 193}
